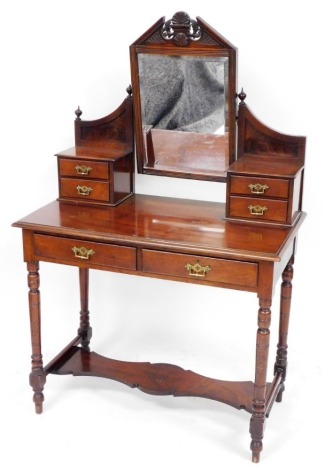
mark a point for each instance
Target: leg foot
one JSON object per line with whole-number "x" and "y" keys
{"x": 256, "y": 430}
{"x": 255, "y": 457}
{"x": 38, "y": 400}
{"x": 37, "y": 381}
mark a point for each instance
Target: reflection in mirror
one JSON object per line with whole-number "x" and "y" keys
{"x": 184, "y": 111}
{"x": 184, "y": 93}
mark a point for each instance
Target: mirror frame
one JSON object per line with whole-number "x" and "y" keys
{"x": 184, "y": 37}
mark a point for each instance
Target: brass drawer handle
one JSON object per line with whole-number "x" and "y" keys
{"x": 83, "y": 169}
{"x": 257, "y": 210}
{"x": 82, "y": 252}
{"x": 258, "y": 188}
{"x": 84, "y": 190}
{"x": 197, "y": 270}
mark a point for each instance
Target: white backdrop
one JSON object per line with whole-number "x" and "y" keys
{"x": 56, "y": 55}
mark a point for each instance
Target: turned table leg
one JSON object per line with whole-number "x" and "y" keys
{"x": 84, "y": 329}
{"x": 37, "y": 376}
{"x": 259, "y": 400}
{"x": 285, "y": 304}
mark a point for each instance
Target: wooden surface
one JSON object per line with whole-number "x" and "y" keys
{"x": 169, "y": 223}
{"x": 115, "y": 151}
{"x": 265, "y": 165}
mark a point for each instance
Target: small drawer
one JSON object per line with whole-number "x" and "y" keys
{"x": 256, "y": 186}
{"x": 84, "y": 189}
{"x": 83, "y": 168}
{"x": 200, "y": 268}
{"x": 258, "y": 209}
{"x": 81, "y": 251}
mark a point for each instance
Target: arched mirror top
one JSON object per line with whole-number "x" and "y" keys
{"x": 184, "y": 89}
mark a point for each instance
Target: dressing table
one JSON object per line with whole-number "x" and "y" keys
{"x": 183, "y": 113}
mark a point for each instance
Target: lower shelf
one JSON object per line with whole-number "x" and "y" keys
{"x": 160, "y": 379}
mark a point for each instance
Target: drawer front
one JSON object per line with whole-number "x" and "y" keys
{"x": 258, "y": 209}
{"x": 84, "y": 189}
{"x": 83, "y": 168}
{"x": 200, "y": 268}
{"x": 90, "y": 253}
{"x": 265, "y": 187}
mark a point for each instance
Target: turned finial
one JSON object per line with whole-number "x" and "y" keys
{"x": 242, "y": 95}
{"x": 78, "y": 113}
{"x": 129, "y": 90}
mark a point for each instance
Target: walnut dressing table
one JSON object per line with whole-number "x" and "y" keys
{"x": 98, "y": 222}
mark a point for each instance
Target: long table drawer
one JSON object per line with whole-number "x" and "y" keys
{"x": 200, "y": 268}
{"x": 90, "y": 253}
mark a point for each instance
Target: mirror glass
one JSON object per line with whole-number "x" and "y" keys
{"x": 184, "y": 111}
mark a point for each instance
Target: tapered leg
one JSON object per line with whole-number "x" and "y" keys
{"x": 259, "y": 402}
{"x": 285, "y": 304}
{"x": 84, "y": 328}
{"x": 37, "y": 376}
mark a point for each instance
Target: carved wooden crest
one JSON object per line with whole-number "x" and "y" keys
{"x": 181, "y": 29}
